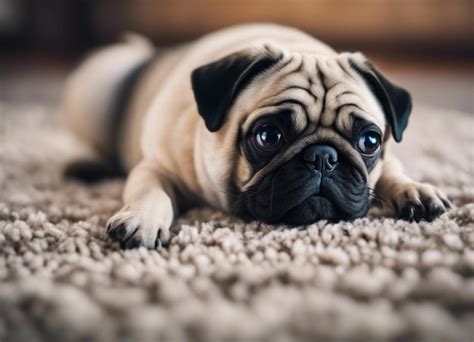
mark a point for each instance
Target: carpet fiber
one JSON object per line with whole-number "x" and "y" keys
{"x": 223, "y": 279}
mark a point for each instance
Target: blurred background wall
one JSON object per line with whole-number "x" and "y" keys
{"x": 425, "y": 45}
{"x": 436, "y": 27}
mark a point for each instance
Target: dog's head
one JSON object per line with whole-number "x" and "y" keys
{"x": 295, "y": 137}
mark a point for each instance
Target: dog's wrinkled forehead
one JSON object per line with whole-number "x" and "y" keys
{"x": 244, "y": 84}
{"x": 322, "y": 91}
{"x": 322, "y": 94}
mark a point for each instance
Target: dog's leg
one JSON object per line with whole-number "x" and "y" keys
{"x": 407, "y": 199}
{"x": 149, "y": 209}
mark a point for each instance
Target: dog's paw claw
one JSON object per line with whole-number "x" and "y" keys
{"x": 118, "y": 232}
{"x": 132, "y": 230}
{"x": 412, "y": 211}
{"x": 131, "y": 243}
{"x": 417, "y": 201}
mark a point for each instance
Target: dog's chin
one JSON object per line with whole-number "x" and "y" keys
{"x": 313, "y": 209}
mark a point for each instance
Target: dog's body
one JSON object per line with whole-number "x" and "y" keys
{"x": 263, "y": 121}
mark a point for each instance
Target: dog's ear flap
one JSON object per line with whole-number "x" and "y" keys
{"x": 216, "y": 85}
{"x": 395, "y": 101}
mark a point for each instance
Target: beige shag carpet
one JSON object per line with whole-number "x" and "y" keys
{"x": 222, "y": 279}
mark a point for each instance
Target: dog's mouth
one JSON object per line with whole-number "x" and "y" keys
{"x": 297, "y": 194}
{"x": 305, "y": 212}
{"x": 331, "y": 204}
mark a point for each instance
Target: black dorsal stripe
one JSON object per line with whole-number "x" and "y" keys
{"x": 121, "y": 109}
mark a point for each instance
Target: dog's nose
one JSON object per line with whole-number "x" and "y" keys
{"x": 323, "y": 157}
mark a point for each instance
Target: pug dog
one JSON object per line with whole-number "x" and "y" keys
{"x": 262, "y": 121}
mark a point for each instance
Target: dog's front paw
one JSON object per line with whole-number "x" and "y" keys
{"x": 146, "y": 224}
{"x": 415, "y": 201}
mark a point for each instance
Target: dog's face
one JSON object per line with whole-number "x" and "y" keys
{"x": 294, "y": 137}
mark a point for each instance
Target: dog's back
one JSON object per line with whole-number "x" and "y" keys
{"x": 95, "y": 94}
{"x": 108, "y": 96}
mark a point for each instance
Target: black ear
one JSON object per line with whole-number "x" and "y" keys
{"x": 216, "y": 85}
{"x": 395, "y": 101}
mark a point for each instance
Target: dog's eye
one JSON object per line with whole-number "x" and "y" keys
{"x": 369, "y": 142}
{"x": 268, "y": 137}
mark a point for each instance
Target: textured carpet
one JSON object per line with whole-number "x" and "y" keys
{"x": 222, "y": 279}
